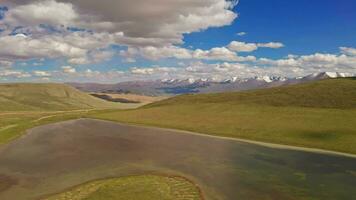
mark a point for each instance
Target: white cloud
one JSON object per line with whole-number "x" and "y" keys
{"x": 98, "y": 56}
{"x": 290, "y": 66}
{"x": 151, "y": 70}
{"x": 69, "y": 70}
{"x": 159, "y": 22}
{"x": 14, "y": 74}
{"x": 348, "y": 51}
{"x": 241, "y": 33}
{"x": 41, "y": 12}
{"x": 5, "y": 64}
{"x": 154, "y": 27}
{"x": 17, "y": 48}
{"x": 249, "y": 47}
{"x": 42, "y": 73}
{"x": 307, "y": 64}
{"x": 78, "y": 48}
{"x": 242, "y": 46}
{"x": 272, "y": 45}
{"x": 220, "y": 53}
{"x": 156, "y": 53}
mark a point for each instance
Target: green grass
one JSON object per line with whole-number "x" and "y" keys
{"x": 47, "y": 97}
{"x": 15, "y": 124}
{"x": 319, "y": 115}
{"x": 26, "y": 105}
{"x": 148, "y": 187}
{"x": 330, "y": 93}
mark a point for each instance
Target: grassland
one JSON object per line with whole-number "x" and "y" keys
{"x": 14, "y": 124}
{"x": 47, "y": 97}
{"x": 133, "y": 188}
{"x": 318, "y": 115}
{"x": 23, "y": 106}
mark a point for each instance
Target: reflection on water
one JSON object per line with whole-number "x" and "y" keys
{"x": 54, "y": 157}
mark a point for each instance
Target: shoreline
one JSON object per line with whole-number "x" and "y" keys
{"x": 264, "y": 144}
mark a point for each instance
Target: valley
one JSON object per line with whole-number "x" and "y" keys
{"x": 93, "y": 158}
{"x": 177, "y": 100}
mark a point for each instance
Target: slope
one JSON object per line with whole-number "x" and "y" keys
{"x": 46, "y": 97}
{"x": 320, "y": 114}
{"x": 330, "y": 93}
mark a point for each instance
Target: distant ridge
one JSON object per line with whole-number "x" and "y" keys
{"x": 48, "y": 97}
{"x": 203, "y": 85}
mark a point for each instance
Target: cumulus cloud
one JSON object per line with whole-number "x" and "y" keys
{"x": 307, "y": 64}
{"x": 14, "y": 74}
{"x": 291, "y": 66}
{"x": 42, "y": 28}
{"x": 5, "y": 64}
{"x": 222, "y": 54}
{"x": 122, "y": 16}
{"x": 78, "y": 48}
{"x": 242, "y": 46}
{"x": 156, "y": 53}
{"x": 42, "y": 73}
{"x": 150, "y": 70}
{"x": 249, "y": 47}
{"x": 272, "y": 45}
{"x": 348, "y": 51}
{"x": 241, "y": 33}
{"x": 68, "y": 70}
{"x": 41, "y": 12}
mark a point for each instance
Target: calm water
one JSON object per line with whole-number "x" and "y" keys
{"x": 54, "y": 157}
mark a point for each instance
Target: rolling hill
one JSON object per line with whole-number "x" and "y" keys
{"x": 330, "y": 93}
{"x": 319, "y": 114}
{"x": 48, "y": 97}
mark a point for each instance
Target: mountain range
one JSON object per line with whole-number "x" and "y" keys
{"x": 178, "y": 86}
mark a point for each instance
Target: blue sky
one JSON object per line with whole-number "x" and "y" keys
{"x": 304, "y": 26}
{"x": 194, "y": 39}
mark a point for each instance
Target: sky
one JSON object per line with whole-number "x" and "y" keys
{"x": 112, "y": 41}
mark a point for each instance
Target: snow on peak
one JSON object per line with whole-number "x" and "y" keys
{"x": 204, "y": 80}
{"x": 191, "y": 80}
{"x": 168, "y": 80}
{"x": 20, "y": 35}
{"x": 336, "y": 74}
{"x": 264, "y": 78}
{"x": 332, "y": 74}
{"x": 234, "y": 79}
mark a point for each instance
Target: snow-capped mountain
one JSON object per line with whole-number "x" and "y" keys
{"x": 202, "y": 85}
{"x": 326, "y": 75}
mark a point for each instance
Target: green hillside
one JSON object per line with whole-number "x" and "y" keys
{"x": 320, "y": 114}
{"x": 48, "y": 97}
{"x": 331, "y": 93}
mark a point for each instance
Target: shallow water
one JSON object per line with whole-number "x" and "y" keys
{"x": 54, "y": 157}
